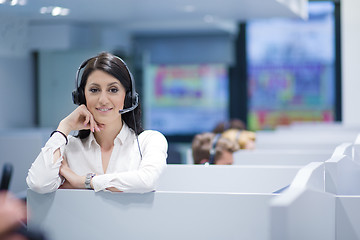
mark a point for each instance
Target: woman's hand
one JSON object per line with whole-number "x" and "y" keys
{"x": 72, "y": 179}
{"x": 79, "y": 119}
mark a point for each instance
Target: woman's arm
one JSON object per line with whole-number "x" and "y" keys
{"x": 144, "y": 179}
{"x": 43, "y": 176}
{"x": 140, "y": 181}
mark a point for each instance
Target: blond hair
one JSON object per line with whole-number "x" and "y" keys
{"x": 241, "y": 137}
{"x": 202, "y": 143}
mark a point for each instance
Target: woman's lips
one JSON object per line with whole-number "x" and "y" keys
{"x": 103, "y": 109}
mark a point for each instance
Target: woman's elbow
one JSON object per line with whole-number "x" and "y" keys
{"x": 41, "y": 186}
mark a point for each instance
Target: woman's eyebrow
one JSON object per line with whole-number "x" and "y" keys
{"x": 113, "y": 83}
{"x": 94, "y": 84}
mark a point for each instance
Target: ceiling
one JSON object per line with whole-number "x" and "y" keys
{"x": 142, "y": 15}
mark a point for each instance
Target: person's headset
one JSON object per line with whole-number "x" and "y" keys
{"x": 131, "y": 96}
{"x": 212, "y": 150}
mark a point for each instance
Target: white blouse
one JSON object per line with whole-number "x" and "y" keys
{"x": 126, "y": 170}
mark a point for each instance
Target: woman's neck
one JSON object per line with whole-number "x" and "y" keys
{"x": 105, "y": 138}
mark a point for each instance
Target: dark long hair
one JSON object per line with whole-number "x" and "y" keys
{"x": 112, "y": 65}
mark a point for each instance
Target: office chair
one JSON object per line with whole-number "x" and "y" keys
{"x": 6, "y": 176}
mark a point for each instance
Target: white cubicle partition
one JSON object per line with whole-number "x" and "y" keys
{"x": 311, "y": 140}
{"x": 82, "y": 214}
{"x": 348, "y": 217}
{"x": 280, "y": 157}
{"x": 356, "y": 149}
{"x": 342, "y": 178}
{"x": 304, "y": 210}
{"x": 221, "y": 178}
{"x": 325, "y": 127}
{"x": 345, "y": 148}
{"x": 214, "y": 202}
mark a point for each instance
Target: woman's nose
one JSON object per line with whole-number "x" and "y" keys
{"x": 103, "y": 98}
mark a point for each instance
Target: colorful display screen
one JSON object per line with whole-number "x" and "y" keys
{"x": 185, "y": 99}
{"x": 291, "y": 69}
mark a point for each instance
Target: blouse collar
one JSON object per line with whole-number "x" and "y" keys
{"x": 121, "y": 137}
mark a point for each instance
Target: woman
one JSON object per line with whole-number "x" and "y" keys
{"x": 112, "y": 151}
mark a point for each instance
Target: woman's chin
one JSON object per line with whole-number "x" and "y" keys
{"x": 100, "y": 125}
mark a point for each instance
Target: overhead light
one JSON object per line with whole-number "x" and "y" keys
{"x": 189, "y": 8}
{"x": 55, "y": 11}
{"x": 209, "y": 18}
{"x": 13, "y": 2}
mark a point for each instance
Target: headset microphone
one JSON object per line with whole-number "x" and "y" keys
{"x": 131, "y": 96}
{"x": 134, "y": 105}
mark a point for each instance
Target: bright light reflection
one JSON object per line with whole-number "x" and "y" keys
{"x": 14, "y": 2}
{"x": 55, "y": 11}
{"x": 189, "y": 8}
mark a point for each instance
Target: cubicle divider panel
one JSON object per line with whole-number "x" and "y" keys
{"x": 356, "y": 149}
{"x": 280, "y": 157}
{"x": 342, "y": 175}
{"x": 348, "y": 217}
{"x": 215, "y": 178}
{"x": 306, "y": 214}
{"x": 304, "y": 210}
{"x": 84, "y": 214}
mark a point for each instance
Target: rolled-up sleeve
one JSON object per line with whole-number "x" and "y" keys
{"x": 154, "y": 153}
{"x": 43, "y": 176}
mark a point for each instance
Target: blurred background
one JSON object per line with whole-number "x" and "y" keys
{"x": 195, "y": 63}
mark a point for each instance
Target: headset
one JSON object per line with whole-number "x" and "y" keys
{"x": 212, "y": 150}
{"x": 131, "y": 96}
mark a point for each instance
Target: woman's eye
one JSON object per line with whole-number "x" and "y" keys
{"x": 113, "y": 90}
{"x": 94, "y": 90}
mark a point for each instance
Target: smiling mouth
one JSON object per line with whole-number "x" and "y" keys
{"x": 103, "y": 109}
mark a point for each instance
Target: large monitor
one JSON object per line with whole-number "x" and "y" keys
{"x": 291, "y": 68}
{"x": 185, "y": 99}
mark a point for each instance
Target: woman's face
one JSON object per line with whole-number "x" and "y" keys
{"x": 104, "y": 96}
{"x": 226, "y": 158}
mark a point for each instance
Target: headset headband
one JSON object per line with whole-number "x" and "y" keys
{"x": 134, "y": 96}
{"x": 212, "y": 150}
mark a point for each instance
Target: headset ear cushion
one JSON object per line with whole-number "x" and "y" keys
{"x": 81, "y": 96}
{"x": 128, "y": 100}
{"x": 75, "y": 97}
{"x": 78, "y": 96}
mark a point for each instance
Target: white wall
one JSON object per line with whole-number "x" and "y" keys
{"x": 17, "y": 96}
{"x": 16, "y": 75}
{"x": 350, "y": 37}
{"x": 19, "y": 38}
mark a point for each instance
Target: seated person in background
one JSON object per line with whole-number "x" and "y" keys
{"x": 213, "y": 149}
{"x": 235, "y": 130}
{"x": 232, "y": 124}
{"x": 245, "y": 139}
{"x": 111, "y": 151}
